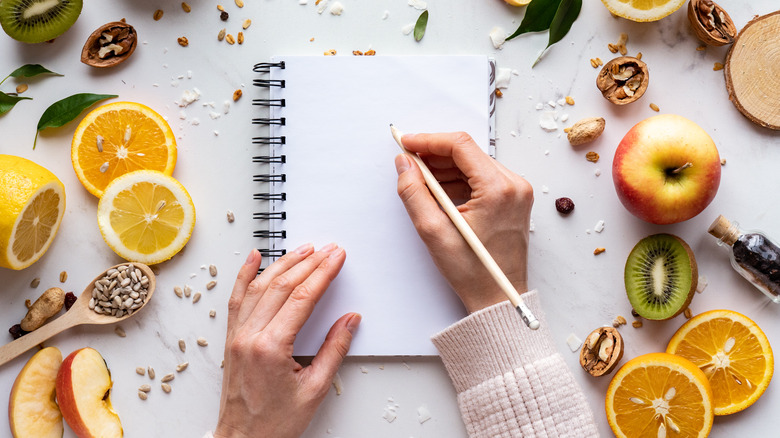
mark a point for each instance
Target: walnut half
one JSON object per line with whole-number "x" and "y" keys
{"x": 623, "y": 80}
{"x": 109, "y": 45}
{"x": 711, "y": 23}
{"x": 601, "y": 351}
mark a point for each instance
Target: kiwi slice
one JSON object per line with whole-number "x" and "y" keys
{"x": 36, "y": 21}
{"x": 661, "y": 276}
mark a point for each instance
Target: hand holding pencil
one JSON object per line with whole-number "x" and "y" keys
{"x": 496, "y": 206}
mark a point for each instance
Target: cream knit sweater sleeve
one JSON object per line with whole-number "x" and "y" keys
{"x": 510, "y": 380}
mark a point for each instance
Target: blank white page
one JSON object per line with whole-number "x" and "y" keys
{"x": 341, "y": 186}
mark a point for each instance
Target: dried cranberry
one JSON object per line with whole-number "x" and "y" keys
{"x": 70, "y": 298}
{"x": 16, "y": 331}
{"x": 223, "y": 16}
{"x": 564, "y": 205}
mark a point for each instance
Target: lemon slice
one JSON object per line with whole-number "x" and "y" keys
{"x": 518, "y": 2}
{"x": 643, "y": 10}
{"x": 32, "y": 203}
{"x": 146, "y": 216}
{"x": 118, "y": 138}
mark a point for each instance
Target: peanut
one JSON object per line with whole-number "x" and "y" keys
{"x": 46, "y": 306}
{"x": 586, "y": 130}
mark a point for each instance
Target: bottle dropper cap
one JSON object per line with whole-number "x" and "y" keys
{"x": 724, "y": 230}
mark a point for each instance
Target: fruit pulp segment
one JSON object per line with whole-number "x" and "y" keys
{"x": 659, "y": 278}
{"x": 32, "y": 409}
{"x": 130, "y": 140}
{"x": 146, "y": 217}
{"x": 36, "y": 225}
{"x": 91, "y": 383}
{"x": 653, "y": 397}
{"x": 731, "y": 357}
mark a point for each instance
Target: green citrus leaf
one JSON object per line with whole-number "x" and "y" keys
{"x": 7, "y": 102}
{"x": 30, "y": 70}
{"x": 539, "y": 15}
{"x": 419, "y": 27}
{"x": 65, "y": 110}
{"x": 567, "y": 13}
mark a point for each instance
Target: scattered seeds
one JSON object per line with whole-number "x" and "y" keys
{"x": 236, "y": 95}
{"x": 240, "y": 38}
{"x": 141, "y": 371}
{"x": 168, "y": 377}
{"x": 618, "y": 321}
{"x": 598, "y": 250}
{"x": 594, "y": 63}
{"x": 211, "y": 284}
{"x": 637, "y": 324}
{"x": 21, "y": 88}
{"x": 203, "y": 342}
{"x": 701, "y": 48}
{"x": 240, "y": 3}
{"x": 142, "y": 395}
{"x": 499, "y": 93}
{"x": 687, "y": 312}
{"x": 371, "y": 52}
{"x": 182, "y": 366}
{"x": 212, "y": 313}
{"x": 212, "y": 270}
{"x": 638, "y": 55}
{"x": 187, "y": 290}
{"x": 196, "y": 297}
{"x": 182, "y": 345}
{"x": 569, "y": 100}
{"x": 183, "y": 41}
{"x": 186, "y": 7}
{"x": 612, "y": 48}
{"x": 722, "y": 161}
{"x": 230, "y": 216}
{"x": 35, "y": 282}
{"x": 166, "y": 388}
{"x": 120, "y": 331}
{"x": 150, "y": 371}
{"x": 220, "y": 8}
{"x": 120, "y": 292}
{"x": 222, "y": 364}
{"x": 230, "y": 40}
{"x": 591, "y": 156}
{"x": 221, "y": 35}
{"x": 144, "y": 388}
{"x": 654, "y": 107}
{"x": 717, "y": 66}
{"x": 158, "y": 14}
{"x": 331, "y": 52}
{"x": 63, "y": 276}
{"x": 178, "y": 291}
{"x": 27, "y": 304}
{"x": 246, "y": 24}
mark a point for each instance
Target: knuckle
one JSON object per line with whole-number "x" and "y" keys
{"x": 282, "y": 282}
{"x": 234, "y": 303}
{"x": 463, "y": 138}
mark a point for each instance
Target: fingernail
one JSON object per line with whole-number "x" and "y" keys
{"x": 354, "y": 322}
{"x": 329, "y": 247}
{"x": 336, "y": 253}
{"x": 304, "y": 249}
{"x": 251, "y": 257}
{"x": 402, "y": 163}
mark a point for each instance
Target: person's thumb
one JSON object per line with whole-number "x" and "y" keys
{"x": 420, "y": 204}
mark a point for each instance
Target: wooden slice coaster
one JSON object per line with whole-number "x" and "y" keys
{"x": 753, "y": 71}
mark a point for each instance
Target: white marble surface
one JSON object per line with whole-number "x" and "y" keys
{"x": 580, "y": 291}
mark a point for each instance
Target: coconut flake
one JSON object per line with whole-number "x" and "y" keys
{"x": 385, "y": 14}
{"x": 498, "y": 36}
{"x": 406, "y": 30}
{"x": 547, "y": 121}
{"x": 599, "y": 227}
{"x": 702, "y": 284}
{"x": 189, "y": 96}
{"x": 418, "y": 4}
{"x": 503, "y": 76}
{"x": 336, "y": 9}
{"x": 573, "y": 342}
{"x": 323, "y": 5}
{"x": 423, "y": 414}
{"x": 545, "y": 189}
{"x": 338, "y": 385}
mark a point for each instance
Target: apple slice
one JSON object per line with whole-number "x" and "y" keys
{"x": 32, "y": 411}
{"x": 84, "y": 394}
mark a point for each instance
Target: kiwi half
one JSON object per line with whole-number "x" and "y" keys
{"x": 36, "y": 21}
{"x": 661, "y": 276}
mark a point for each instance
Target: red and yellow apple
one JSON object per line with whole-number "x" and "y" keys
{"x": 83, "y": 392}
{"x": 32, "y": 411}
{"x": 666, "y": 169}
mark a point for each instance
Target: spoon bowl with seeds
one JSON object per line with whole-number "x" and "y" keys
{"x": 114, "y": 295}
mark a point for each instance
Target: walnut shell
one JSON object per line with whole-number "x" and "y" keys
{"x": 623, "y": 80}
{"x": 601, "y": 351}
{"x": 711, "y": 23}
{"x": 109, "y": 45}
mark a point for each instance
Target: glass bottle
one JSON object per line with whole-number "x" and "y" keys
{"x": 752, "y": 254}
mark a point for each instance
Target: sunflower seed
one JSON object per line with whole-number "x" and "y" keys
{"x": 144, "y": 388}
{"x": 182, "y": 366}
{"x": 151, "y": 373}
{"x": 166, "y": 387}
{"x": 35, "y": 282}
{"x": 186, "y": 7}
{"x": 63, "y": 276}
{"x": 168, "y": 377}
{"x": 120, "y": 331}
{"x": 230, "y": 216}
{"x": 212, "y": 313}
{"x": 196, "y": 297}
{"x": 187, "y": 290}
{"x": 158, "y": 14}
{"x": 141, "y": 371}
{"x": 240, "y": 3}
{"x": 21, "y": 88}
{"x": 203, "y": 342}
{"x": 230, "y": 40}
{"x": 142, "y": 395}
{"x": 182, "y": 345}
{"x": 221, "y": 35}
{"x": 178, "y": 291}
{"x": 212, "y": 270}
{"x": 211, "y": 284}
{"x": 246, "y": 24}
{"x": 240, "y": 38}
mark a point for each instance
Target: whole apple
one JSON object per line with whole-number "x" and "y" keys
{"x": 666, "y": 169}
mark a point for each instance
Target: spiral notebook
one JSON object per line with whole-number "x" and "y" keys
{"x": 330, "y": 177}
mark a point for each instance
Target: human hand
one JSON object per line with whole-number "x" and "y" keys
{"x": 265, "y": 392}
{"x": 495, "y": 202}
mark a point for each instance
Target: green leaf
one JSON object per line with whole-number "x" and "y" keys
{"x": 7, "y": 102}
{"x": 28, "y": 71}
{"x": 65, "y": 110}
{"x": 539, "y": 15}
{"x": 419, "y": 27}
{"x": 567, "y": 13}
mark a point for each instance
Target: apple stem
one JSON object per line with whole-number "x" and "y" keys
{"x": 680, "y": 169}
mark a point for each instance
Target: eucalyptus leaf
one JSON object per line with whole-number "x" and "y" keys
{"x": 538, "y": 17}
{"x": 30, "y": 70}
{"x": 419, "y": 27}
{"x": 7, "y": 102}
{"x": 567, "y": 13}
{"x": 65, "y": 110}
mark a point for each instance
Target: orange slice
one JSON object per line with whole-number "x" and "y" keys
{"x": 734, "y": 354}
{"x": 659, "y": 394}
{"x": 146, "y": 216}
{"x": 118, "y": 138}
{"x": 643, "y": 10}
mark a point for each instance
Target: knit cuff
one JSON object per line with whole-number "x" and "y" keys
{"x": 491, "y": 342}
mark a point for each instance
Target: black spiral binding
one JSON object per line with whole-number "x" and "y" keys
{"x": 265, "y": 160}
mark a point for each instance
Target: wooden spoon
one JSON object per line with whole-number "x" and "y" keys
{"x": 79, "y": 314}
